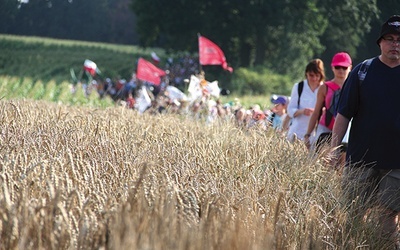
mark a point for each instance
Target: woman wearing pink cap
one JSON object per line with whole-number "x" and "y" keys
{"x": 318, "y": 131}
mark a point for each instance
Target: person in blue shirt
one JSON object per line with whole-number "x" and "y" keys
{"x": 374, "y": 140}
{"x": 278, "y": 113}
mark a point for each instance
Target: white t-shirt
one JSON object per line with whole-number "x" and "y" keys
{"x": 308, "y": 99}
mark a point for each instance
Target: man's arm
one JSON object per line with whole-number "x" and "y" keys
{"x": 338, "y": 132}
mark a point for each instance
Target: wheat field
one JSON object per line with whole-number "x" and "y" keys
{"x": 87, "y": 178}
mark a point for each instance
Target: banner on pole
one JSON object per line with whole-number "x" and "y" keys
{"x": 211, "y": 54}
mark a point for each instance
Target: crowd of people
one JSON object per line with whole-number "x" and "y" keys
{"x": 120, "y": 88}
{"x": 207, "y": 105}
{"x": 363, "y": 137}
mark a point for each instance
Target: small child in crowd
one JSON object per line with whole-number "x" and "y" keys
{"x": 278, "y": 112}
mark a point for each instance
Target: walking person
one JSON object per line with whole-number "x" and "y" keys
{"x": 277, "y": 114}
{"x": 303, "y": 99}
{"x": 370, "y": 98}
{"x": 321, "y": 122}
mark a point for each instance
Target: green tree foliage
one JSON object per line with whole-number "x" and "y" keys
{"x": 89, "y": 20}
{"x": 280, "y": 35}
{"x": 368, "y": 47}
{"x": 348, "y": 26}
{"x": 296, "y": 37}
{"x": 8, "y": 13}
{"x": 260, "y": 81}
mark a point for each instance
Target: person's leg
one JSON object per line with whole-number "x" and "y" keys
{"x": 389, "y": 197}
{"x": 389, "y": 224}
{"x": 324, "y": 140}
{"x": 359, "y": 185}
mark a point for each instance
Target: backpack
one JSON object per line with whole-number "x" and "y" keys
{"x": 272, "y": 117}
{"x": 332, "y": 110}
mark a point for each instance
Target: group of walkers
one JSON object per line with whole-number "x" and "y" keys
{"x": 119, "y": 88}
{"x": 362, "y": 135}
{"x": 354, "y": 117}
{"x": 368, "y": 111}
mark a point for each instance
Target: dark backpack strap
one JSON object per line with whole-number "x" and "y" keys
{"x": 272, "y": 118}
{"x": 326, "y": 93}
{"x": 328, "y": 114}
{"x": 363, "y": 70}
{"x": 300, "y": 87}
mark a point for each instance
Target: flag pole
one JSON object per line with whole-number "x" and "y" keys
{"x": 198, "y": 41}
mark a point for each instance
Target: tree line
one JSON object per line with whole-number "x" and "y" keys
{"x": 280, "y": 35}
{"x": 88, "y": 20}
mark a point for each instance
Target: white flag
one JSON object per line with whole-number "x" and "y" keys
{"x": 194, "y": 88}
{"x": 143, "y": 101}
{"x": 175, "y": 94}
{"x": 90, "y": 67}
{"x": 213, "y": 88}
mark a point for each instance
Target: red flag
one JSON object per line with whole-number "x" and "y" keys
{"x": 211, "y": 54}
{"x": 146, "y": 71}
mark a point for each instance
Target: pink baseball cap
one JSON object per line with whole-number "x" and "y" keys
{"x": 341, "y": 59}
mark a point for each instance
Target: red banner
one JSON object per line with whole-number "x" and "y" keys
{"x": 146, "y": 71}
{"x": 211, "y": 54}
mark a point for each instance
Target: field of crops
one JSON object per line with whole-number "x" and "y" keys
{"x": 51, "y": 59}
{"x": 26, "y": 88}
{"x": 74, "y": 177}
{"x": 80, "y": 172}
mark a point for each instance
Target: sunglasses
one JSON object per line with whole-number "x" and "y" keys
{"x": 341, "y": 67}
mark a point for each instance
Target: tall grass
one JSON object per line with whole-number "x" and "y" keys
{"x": 89, "y": 178}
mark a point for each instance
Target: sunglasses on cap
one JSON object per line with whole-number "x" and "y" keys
{"x": 341, "y": 67}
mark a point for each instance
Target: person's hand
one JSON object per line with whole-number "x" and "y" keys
{"x": 334, "y": 158}
{"x": 308, "y": 111}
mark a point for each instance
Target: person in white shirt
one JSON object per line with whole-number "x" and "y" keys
{"x": 301, "y": 106}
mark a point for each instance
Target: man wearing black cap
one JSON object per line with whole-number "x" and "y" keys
{"x": 374, "y": 142}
